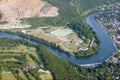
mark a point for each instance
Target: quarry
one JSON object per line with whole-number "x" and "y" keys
{"x": 12, "y": 11}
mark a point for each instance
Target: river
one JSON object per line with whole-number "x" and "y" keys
{"x": 107, "y": 48}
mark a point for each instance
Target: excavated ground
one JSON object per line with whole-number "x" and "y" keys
{"x": 13, "y": 10}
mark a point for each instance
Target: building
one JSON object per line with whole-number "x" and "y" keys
{"x": 29, "y": 67}
{"x": 83, "y": 48}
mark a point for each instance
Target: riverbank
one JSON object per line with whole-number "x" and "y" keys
{"x": 107, "y": 47}
{"x": 90, "y": 65}
{"x": 110, "y": 35}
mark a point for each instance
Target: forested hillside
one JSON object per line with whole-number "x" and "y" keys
{"x": 89, "y": 4}
{"x": 83, "y": 4}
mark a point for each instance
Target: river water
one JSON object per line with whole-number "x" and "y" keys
{"x": 107, "y": 48}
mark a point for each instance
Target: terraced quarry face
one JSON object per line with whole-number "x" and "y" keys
{"x": 13, "y": 9}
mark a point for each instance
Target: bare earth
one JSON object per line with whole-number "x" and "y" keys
{"x": 13, "y": 10}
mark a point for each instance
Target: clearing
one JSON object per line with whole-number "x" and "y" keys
{"x": 63, "y": 36}
{"x": 61, "y": 32}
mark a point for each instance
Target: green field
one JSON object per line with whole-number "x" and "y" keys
{"x": 61, "y": 32}
{"x": 7, "y": 76}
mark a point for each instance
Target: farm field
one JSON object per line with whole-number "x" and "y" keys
{"x": 19, "y": 61}
{"x": 46, "y": 77}
{"x": 7, "y": 76}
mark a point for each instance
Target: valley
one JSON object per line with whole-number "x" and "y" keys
{"x": 59, "y": 40}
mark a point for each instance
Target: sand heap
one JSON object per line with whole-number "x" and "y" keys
{"x": 16, "y": 9}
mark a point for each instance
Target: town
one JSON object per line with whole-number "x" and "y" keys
{"x": 110, "y": 22}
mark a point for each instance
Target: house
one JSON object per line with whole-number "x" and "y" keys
{"x": 83, "y": 48}
{"x": 114, "y": 60}
{"x": 118, "y": 78}
{"x": 29, "y": 67}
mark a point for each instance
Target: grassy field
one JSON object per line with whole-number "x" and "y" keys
{"x": 71, "y": 36}
{"x": 31, "y": 77}
{"x": 22, "y": 75}
{"x": 45, "y": 76}
{"x": 30, "y": 60}
{"x": 70, "y": 46}
{"x": 44, "y": 36}
{"x": 20, "y": 48}
{"x": 7, "y": 76}
{"x": 61, "y": 32}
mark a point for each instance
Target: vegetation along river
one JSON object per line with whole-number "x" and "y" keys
{"x": 107, "y": 48}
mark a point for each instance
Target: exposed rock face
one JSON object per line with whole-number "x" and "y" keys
{"x": 0, "y": 17}
{"x": 16, "y": 9}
